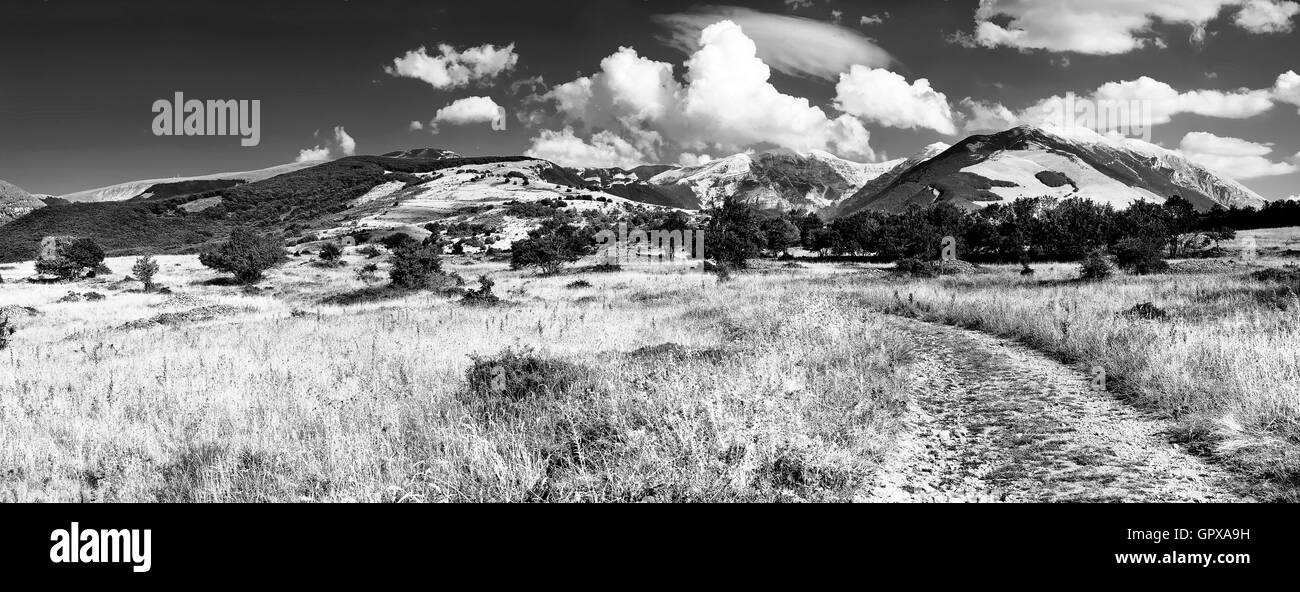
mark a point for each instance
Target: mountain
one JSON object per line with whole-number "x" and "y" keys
{"x": 359, "y": 196}
{"x": 132, "y": 189}
{"x": 1031, "y": 162}
{"x": 428, "y": 153}
{"x": 634, "y": 184}
{"x": 15, "y": 202}
{"x": 897, "y": 167}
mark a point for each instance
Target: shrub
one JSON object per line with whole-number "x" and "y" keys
{"x": 368, "y": 273}
{"x": 1145, "y": 310}
{"x": 6, "y": 331}
{"x": 520, "y": 375}
{"x": 393, "y": 241}
{"x": 414, "y": 266}
{"x": 578, "y": 285}
{"x": 370, "y": 251}
{"x": 70, "y": 258}
{"x": 483, "y": 295}
{"x": 1096, "y": 266}
{"x": 145, "y": 269}
{"x": 1141, "y": 256}
{"x": 551, "y": 246}
{"x": 246, "y": 254}
{"x": 331, "y": 253}
{"x": 916, "y": 267}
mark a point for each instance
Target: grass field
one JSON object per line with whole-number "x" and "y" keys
{"x": 783, "y": 384}
{"x": 776, "y": 390}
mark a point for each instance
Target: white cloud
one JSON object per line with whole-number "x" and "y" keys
{"x": 1287, "y": 88}
{"x": 886, "y": 98}
{"x": 416, "y": 126}
{"x": 874, "y": 19}
{"x": 797, "y": 4}
{"x": 726, "y": 102}
{"x": 340, "y": 145}
{"x": 452, "y": 68}
{"x": 1163, "y": 101}
{"x": 987, "y": 116}
{"x": 691, "y": 159}
{"x": 1235, "y": 157}
{"x": 605, "y": 149}
{"x": 789, "y": 44}
{"x": 1267, "y": 16}
{"x": 466, "y": 111}
{"x": 1110, "y": 27}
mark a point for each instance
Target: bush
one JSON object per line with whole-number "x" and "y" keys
{"x": 483, "y": 295}
{"x": 331, "y": 253}
{"x": 551, "y": 246}
{"x": 6, "y": 332}
{"x": 72, "y": 258}
{"x": 520, "y": 375}
{"x": 1140, "y": 256}
{"x": 368, "y": 273}
{"x": 145, "y": 269}
{"x": 414, "y": 266}
{"x": 578, "y": 285}
{"x": 1096, "y": 266}
{"x": 370, "y": 251}
{"x": 246, "y": 254}
{"x": 916, "y": 268}
{"x": 393, "y": 241}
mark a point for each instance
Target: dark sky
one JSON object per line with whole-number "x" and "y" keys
{"x": 79, "y": 77}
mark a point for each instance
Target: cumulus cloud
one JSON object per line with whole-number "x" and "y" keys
{"x": 691, "y": 159}
{"x": 1287, "y": 88}
{"x": 1108, "y": 28}
{"x": 789, "y": 44}
{"x": 1163, "y": 102}
{"x": 452, "y": 68}
{"x": 881, "y": 96}
{"x": 416, "y": 126}
{"x": 1235, "y": 157}
{"x": 466, "y": 111}
{"x": 984, "y": 116}
{"x": 1267, "y": 16}
{"x": 604, "y": 149}
{"x": 725, "y": 103}
{"x": 341, "y": 144}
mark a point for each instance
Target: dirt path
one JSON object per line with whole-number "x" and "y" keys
{"x": 995, "y": 421}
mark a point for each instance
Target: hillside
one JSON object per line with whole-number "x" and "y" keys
{"x": 16, "y": 202}
{"x": 1033, "y": 162}
{"x": 131, "y": 189}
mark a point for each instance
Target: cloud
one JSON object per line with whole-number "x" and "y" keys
{"x": 874, "y": 19}
{"x": 886, "y": 98}
{"x": 1267, "y": 16}
{"x": 452, "y": 68}
{"x": 987, "y": 116}
{"x": 1163, "y": 102}
{"x": 725, "y": 103}
{"x": 340, "y": 145}
{"x": 797, "y": 4}
{"x": 1235, "y": 157}
{"x": 789, "y": 44}
{"x": 691, "y": 159}
{"x": 605, "y": 149}
{"x": 1287, "y": 88}
{"x": 1109, "y": 27}
{"x": 466, "y": 111}
{"x": 416, "y": 126}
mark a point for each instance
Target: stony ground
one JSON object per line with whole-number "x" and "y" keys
{"x": 994, "y": 421}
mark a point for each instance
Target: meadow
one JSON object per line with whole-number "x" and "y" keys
{"x": 784, "y": 384}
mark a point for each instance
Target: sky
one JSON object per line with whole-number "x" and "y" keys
{"x": 625, "y": 82}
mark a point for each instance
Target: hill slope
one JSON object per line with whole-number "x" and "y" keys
{"x": 131, "y": 189}
{"x": 1031, "y": 162}
{"x": 15, "y": 202}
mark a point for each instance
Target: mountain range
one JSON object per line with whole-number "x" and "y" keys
{"x": 407, "y": 188}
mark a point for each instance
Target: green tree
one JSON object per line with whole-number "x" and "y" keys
{"x": 145, "y": 269}
{"x": 734, "y": 233}
{"x": 414, "y": 266}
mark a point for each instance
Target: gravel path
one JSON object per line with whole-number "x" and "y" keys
{"x": 996, "y": 421}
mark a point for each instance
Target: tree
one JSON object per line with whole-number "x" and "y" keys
{"x": 144, "y": 270}
{"x": 246, "y": 254}
{"x": 72, "y": 259}
{"x": 551, "y": 246}
{"x": 331, "y": 252}
{"x": 779, "y": 234}
{"x": 1140, "y": 255}
{"x": 1095, "y": 266}
{"x": 734, "y": 233}
{"x": 414, "y": 266}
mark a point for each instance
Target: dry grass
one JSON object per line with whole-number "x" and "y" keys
{"x": 794, "y": 396}
{"x": 1224, "y": 361}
